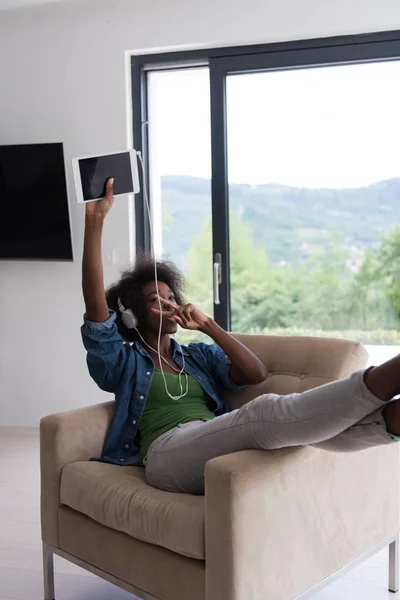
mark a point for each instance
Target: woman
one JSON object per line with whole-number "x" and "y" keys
{"x": 170, "y": 415}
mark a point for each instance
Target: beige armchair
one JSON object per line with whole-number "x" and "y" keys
{"x": 272, "y": 525}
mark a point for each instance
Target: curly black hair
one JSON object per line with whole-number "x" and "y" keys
{"x": 129, "y": 290}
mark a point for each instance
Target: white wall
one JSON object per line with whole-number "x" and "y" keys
{"x": 62, "y": 74}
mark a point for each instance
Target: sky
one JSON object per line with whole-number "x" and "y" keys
{"x": 332, "y": 127}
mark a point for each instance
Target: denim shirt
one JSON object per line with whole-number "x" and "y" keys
{"x": 126, "y": 370}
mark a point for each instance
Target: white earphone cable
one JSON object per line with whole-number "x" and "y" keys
{"x": 166, "y": 361}
{"x": 182, "y": 394}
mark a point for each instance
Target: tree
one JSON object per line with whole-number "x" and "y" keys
{"x": 325, "y": 301}
{"x": 336, "y": 288}
{"x": 388, "y": 269}
{"x": 249, "y": 268}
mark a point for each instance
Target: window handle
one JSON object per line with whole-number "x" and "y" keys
{"x": 217, "y": 279}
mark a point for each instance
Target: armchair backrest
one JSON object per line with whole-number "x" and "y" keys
{"x": 296, "y": 364}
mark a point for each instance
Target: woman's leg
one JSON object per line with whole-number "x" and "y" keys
{"x": 176, "y": 461}
{"x": 384, "y": 380}
{"x": 376, "y": 429}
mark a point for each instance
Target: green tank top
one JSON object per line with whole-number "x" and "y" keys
{"x": 161, "y": 413}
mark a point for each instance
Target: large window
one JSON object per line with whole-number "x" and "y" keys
{"x": 275, "y": 183}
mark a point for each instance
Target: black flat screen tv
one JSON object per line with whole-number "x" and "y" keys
{"x": 34, "y": 217}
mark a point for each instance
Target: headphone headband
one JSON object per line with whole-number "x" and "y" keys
{"x": 120, "y": 305}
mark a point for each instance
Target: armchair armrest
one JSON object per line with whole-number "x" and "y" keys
{"x": 279, "y": 522}
{"x": 65, "y": 438}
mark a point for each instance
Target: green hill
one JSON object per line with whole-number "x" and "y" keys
{"x": 288, "y": 222}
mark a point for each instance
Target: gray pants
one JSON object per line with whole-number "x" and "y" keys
{"x": 340, "y": 416}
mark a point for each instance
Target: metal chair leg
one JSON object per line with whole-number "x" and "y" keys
{"x": 48, "y": 573}
{"x": 394, "y": 565}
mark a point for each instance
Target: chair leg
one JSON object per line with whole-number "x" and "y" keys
{"x": 394, "y": 565}
{"x": 48, "y": 573}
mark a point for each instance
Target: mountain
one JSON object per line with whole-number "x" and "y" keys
{"x": 288, "y": 222}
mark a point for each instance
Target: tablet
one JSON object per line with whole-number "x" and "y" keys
{"x": 92, "y": 172}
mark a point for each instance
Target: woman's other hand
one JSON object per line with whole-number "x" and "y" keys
{"x": 188, "y": 316}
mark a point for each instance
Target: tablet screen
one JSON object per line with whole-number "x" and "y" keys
{"x": 96, "y": 170}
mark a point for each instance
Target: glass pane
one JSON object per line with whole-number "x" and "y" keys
{"x": 314, "y": 187}
{"x": 180, "y": 178}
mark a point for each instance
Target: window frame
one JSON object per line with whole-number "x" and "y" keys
{"x": 222, "y": 62}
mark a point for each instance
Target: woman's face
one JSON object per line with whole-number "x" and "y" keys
{"x": 149, "y": 292}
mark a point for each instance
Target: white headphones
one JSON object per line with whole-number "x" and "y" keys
{"x": 130, "y": 321}
{"x": 127, "y": 316}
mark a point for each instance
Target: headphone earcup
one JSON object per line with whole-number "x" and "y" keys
{"x": 129, "y": 319}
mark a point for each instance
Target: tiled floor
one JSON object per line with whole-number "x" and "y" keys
{"x": 20, "y": 546}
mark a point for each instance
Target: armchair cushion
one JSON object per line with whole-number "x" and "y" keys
{"x": 121, "y": 498}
